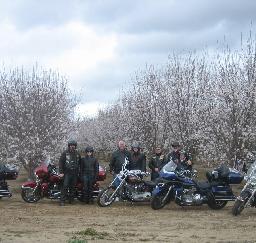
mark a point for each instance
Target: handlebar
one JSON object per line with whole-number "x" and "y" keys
{"x": 187, "y": 173}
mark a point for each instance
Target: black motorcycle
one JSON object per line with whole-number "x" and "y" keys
{"x": 128, "y": 185}
{"x": 7, "y": 172}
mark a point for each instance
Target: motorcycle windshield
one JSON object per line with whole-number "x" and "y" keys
{"x": 169, "y": 167}
{"x": 251, "y": 173}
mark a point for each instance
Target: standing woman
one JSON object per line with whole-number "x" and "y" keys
{"x": 156, "y": 162}
{"x": 138, "y": 159}
{"x": 89, "y": 172}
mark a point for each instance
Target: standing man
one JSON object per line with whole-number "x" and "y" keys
{"x": 138, "y": 159}
{"x": 89, "y": 172}
{"x": 181, "y": 158}
{"x": 156, "y": 163}
{"x": 69, "y": 164}
{"x": 118, "y": 159}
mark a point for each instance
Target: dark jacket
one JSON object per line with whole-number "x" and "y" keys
{"x": 89, "y": 166}
{"x": 180, "y": 159}
{"x": 69, "y": 162}
{"x": 138, "y": 161}
{"x": 118, "y": 159}
{"x": 157, "y": 161}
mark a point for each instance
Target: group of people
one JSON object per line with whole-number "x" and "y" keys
{"x": 71, "y": 165}
{"x": 137, "y": 159}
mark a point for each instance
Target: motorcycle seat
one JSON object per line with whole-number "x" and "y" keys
{"x": 204, "y": 184}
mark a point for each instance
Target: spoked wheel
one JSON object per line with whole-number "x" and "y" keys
{"x": 216, "y": 204}
{"x": 238, "y": 207}
{"x": 158, "y": 201}
{"x": 106, "y": 197}
{"x": 29, "y": 195}
{"x": 240, "y": 203}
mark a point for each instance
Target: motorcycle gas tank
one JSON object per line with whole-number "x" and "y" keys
{"x": 187, "y": 181}
{"x": 54, "y": 179}
{"x": 168, "y": 175}
{"x": 31, "y": 184}
{"x": 41, "y": 171}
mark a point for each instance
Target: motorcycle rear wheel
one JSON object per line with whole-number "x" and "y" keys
{"x": 103, "y": 199}
{"x": 158, "y": 202}
{"x": 29, "y": 195}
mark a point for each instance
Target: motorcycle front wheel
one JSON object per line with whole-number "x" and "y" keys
{"x": 106, "y": 197}
{"x": 239, "y": 204}
{"x": 158, "y": 202}
{"x": 29, "y": 195}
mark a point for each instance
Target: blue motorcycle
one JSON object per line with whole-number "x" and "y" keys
{"x": 179, "y": 185}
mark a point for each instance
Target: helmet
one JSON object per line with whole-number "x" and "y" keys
{"x": 89, "y": 149}
{"x": 175, "y": 144}
{"x": 72, "y": 142}
{"x": 135, "y": 145}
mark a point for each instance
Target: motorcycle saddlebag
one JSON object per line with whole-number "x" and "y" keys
{"x": 234, "y": 176}
{"x": 225, "y": 174}
{"x": 8, "y": 172}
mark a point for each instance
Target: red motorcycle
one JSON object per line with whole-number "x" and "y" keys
{"x": 48, "y": 184}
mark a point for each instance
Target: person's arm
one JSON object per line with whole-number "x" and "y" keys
{"x": 79, "y": 165}
{"x": 96, "y": 169}
{"x": 144, "y": 163}
{"x": 112, "y": 163}
{"x": 188, "y": 159}
{"x": 151, "y": 164}
{"x": 163, "y": 162}
{"x": 130, "y": 164}
{"x": 62, "y": 162}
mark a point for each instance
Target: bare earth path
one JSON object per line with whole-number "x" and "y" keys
{"x": 45, "y": 221}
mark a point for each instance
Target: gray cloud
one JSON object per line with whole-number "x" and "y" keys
{"x": 147, "y": 31}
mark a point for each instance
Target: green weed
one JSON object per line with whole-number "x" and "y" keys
{"x": 77, "y": 241}
{"x": 88, "y": 234}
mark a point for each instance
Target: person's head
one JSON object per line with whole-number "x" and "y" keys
{"x": 89, "y": 151}
{"x": 158, "y": 150}
{"x": 176, "y": 146}
{"x": 135, "y": 147}
{"x": 121, "y": 145}
{"x": 72, "y": 144}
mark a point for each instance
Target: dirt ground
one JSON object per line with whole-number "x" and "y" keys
{"x": 45, "y": 221}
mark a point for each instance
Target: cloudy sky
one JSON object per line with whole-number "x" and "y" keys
{"x": 100, "y": 44}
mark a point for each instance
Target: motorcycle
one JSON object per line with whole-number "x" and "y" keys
{"x": 48, "y": 184}
{"x": 128, "y": 185}
{"x": 7, "y": 172}
{"x": 176, "y": 185}
{"x": 247, "y": 197}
